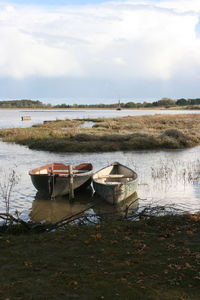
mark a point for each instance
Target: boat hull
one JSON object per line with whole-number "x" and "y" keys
{"x": 115, "y": 183}
{"x": 115, "y": 194}
{"x": 57, "y": 185}
{"x": 56, "y": 179}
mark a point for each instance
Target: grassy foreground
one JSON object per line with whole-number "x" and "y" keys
{"x": 126, "y": 133}
{"x": 157, "y": 258}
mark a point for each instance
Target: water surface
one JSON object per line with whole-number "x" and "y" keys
{"x": 12, "y": 118}
{"x": 169, "y": 178}
{"x": 165, "y": 178}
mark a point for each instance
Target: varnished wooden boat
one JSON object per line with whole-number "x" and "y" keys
{"x": 54, "y": 179}
{"x": 115, "y": 183}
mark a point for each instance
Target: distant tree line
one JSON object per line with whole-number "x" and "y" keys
{"x": 24, "y": 103}
{"x": 164, "y": 102}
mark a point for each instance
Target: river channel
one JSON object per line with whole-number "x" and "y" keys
{"x": 12, "y": 118}
{"x": 169, "y": 178}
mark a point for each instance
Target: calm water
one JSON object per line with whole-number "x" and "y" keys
{"x": 165, "y": 178}
{"x": 12, "y": 118}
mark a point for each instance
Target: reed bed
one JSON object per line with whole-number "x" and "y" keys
{"x": 126, "y": 133}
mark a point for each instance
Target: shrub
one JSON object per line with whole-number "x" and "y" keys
{"x": 173, "y": 133}
{"x": 169, "y": 143}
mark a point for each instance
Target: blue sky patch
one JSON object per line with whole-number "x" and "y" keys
{"x": 197, "y": 29}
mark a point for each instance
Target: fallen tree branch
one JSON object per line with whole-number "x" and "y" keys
{"x": 68, "y": 219}
{"x": 12, "y": 219}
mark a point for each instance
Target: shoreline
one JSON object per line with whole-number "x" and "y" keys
{"x": 102, "y": 108}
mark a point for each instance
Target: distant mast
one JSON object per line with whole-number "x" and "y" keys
{"x": 119, "y": 105}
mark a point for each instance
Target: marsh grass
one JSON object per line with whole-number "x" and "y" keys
{"x": 126, "y": 133}
{"x": 176, "y": 171}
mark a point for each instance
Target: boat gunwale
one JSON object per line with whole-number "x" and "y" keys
{"x": 62, "y": 175}
{"x": 117, "y": 184}
{"x": 84, "y": 173}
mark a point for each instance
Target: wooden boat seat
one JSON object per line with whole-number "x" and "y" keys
{"x": 114, "y": 176}
{"x": 42, "y": 172}
{"x": 114, "y": 179}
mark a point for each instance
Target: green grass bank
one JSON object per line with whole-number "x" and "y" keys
{"x": 157, "y": 258}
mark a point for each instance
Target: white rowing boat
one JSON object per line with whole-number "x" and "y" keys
{"x": 115, "y": 183}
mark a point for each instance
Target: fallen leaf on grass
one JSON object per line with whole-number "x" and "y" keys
{"x": 87, "y": 242}
{"x": 140, "y": 281}
{"x": 112, "y": 254}
{"x": 141, "y": 233}
{"x": 123, "y": 279}
{"x": 174, "y": 266}
{"x": 98, "y": 236}
{"x": 188, "y": 266}
{"x": 28, "y": 264}
{"x": 183, "y": 295}
{"x": 189, "y": 232}
{"x": 128, "y": 263}
{"x": 142, "y": 248}
{"x": 195, "y": 217}
{"x": 73, "y": 283}
{"x": 127, "y": 238}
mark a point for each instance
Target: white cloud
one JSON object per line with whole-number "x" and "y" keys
{"x": 182, "y": 6}
{"x": 136, "y": 39}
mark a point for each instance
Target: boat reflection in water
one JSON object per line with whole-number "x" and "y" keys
{"x": 123, "y": 210}
{"x": 59, "y": 208}
{"x": 84, "y": 204}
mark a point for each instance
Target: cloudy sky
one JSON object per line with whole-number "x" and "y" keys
{"x": 99, "y": 50}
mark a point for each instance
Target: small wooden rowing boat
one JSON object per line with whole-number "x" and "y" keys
{"x": 54, "y": 179}
{"x": 25, "y": 118}
{"x": 115, "y": 183}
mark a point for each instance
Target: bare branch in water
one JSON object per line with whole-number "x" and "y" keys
{"x": 7, "y": 183}
{"x": 8, "y": 217}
